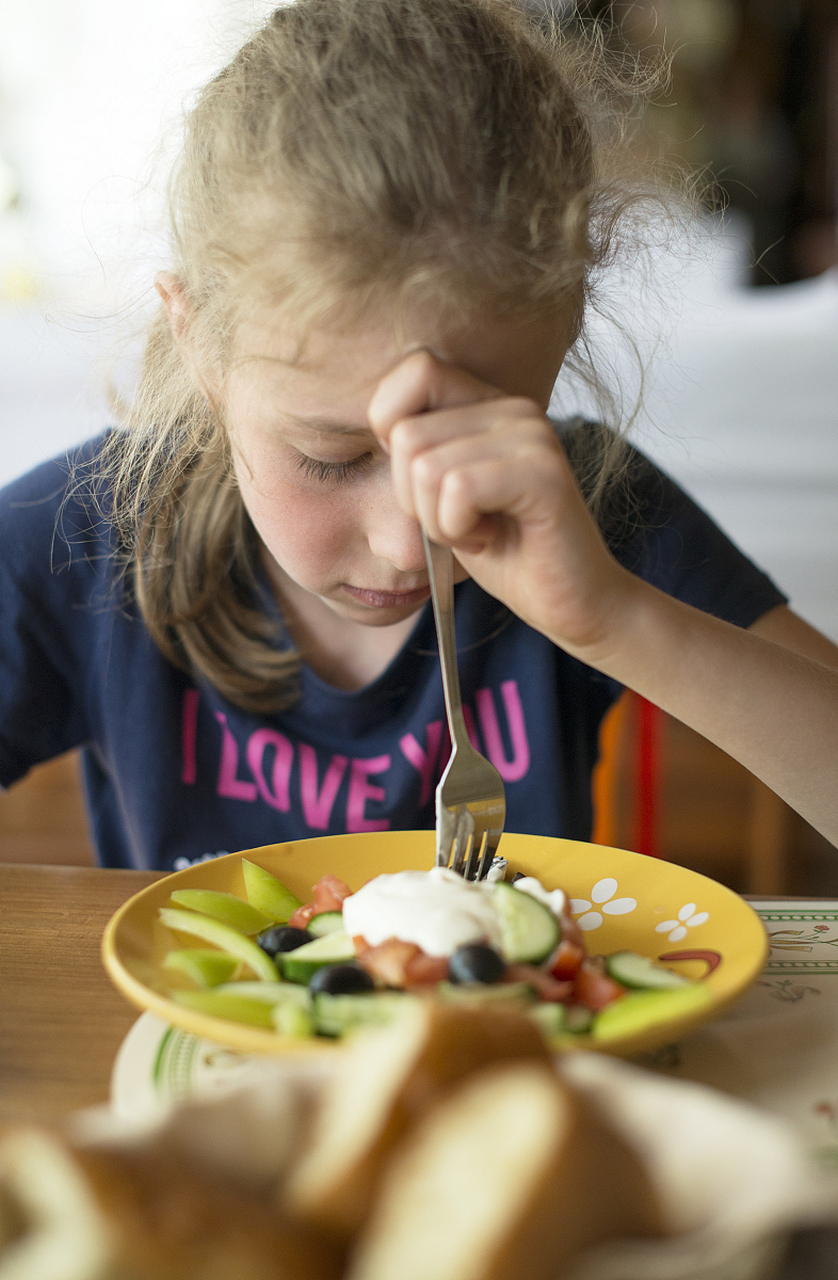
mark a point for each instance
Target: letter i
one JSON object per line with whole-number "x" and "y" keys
{"x": 189, "y": 733}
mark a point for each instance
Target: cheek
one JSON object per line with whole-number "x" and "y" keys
{"x": 306, "y": 532}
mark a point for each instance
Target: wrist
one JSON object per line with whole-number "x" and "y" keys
{"x": 620, "y": 618}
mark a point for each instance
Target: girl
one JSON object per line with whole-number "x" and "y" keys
{"x": 386, "y": 222}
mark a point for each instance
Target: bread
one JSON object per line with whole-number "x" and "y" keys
{"x": 447, "y": 1147}
{"x": 384, "y": 1085}
{"x": 509, "y": 1178}
{"x": 139, "y": 1213}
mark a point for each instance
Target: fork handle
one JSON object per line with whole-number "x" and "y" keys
{"x": 441, "y": 566}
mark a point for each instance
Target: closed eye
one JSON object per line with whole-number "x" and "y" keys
{"x": 317, "y": 469}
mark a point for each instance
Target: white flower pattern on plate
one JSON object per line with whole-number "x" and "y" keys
{"x": 688, "y": 918}
{"x": 602, "y": 895}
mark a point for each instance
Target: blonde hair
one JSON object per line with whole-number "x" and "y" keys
{"x": 352, "y": 152}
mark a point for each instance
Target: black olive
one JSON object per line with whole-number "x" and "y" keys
{"x": 475, "y": 962}
{"x": 282, "y": 937}
{"x": 341, "y": 980}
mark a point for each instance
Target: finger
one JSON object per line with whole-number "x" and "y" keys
{"x": 422, "y": 382}
{"x": 525, "y": 490}
{"x": 449, "y": 437}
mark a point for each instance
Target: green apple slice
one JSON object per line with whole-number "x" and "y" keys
{"x": 638, "y": 1010}
{"x": 267, "y": 894}
{"x": 222, "y": 906}
{"x": 272, "y": 993}
{"x": 222, "y": 936}
{"x": 206, "y": 968}
{"x": 222, "y": 1004}
{"x": 279, "y": 1005}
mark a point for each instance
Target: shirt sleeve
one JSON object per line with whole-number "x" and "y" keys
{"x": 49, "y": 562}
{"x": 658, "y": 532}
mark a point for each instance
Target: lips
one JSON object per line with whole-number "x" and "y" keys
{"x": 388, "y": 599}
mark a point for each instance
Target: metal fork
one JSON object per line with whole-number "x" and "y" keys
{"x": 470, "y": 799}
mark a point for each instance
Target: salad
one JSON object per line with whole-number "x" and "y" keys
{"x": 348, "y": 960}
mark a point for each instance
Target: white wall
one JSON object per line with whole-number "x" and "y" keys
{"x": 88, "y": 90}
{"x": 91, "y": 95}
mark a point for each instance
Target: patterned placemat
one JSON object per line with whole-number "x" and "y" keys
{"x": 778, "y": 1045}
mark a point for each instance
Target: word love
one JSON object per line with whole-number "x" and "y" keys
{"x": 267, "y": 766}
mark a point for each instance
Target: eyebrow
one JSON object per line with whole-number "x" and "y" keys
{"x": 328, "y": 424}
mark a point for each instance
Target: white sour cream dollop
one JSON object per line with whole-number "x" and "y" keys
{"x": 436, "y": 909}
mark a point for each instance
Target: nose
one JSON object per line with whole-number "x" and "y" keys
{"x": 392, "y": 534}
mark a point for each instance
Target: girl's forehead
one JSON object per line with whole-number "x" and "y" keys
{"x": 352, "y": 357}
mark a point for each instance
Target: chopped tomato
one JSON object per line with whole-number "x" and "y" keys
{"x": 301, "y": 917}
{"x": 424, "y": 970}
{"x": 565, "y": 961}
{"x": 546, "y": 987}
{"x": 329, "y": 894}
{"x": 571, "y": 931}
{"x": 594, "y": 988}
{"x": 388, "y": 962}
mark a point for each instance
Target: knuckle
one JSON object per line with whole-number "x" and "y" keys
{"x": 458, "y": 484}
{"x": 425, "y": 469}
{"x": 406, "y": 435}
{"x": 421, "y": 362}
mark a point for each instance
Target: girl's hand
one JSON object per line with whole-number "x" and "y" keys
{"x": 484, "y": 473}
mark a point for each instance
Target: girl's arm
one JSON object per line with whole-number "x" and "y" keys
{"x": 773, "y": 709}
{"x": 484, "y": 473}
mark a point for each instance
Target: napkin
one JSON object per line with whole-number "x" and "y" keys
{"x": 734, "y": 1182}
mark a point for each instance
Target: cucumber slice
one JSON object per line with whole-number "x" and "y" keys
{"x": 641, "y": 973}
{"x": 292, "y": 1020}
{"x": 578, "y": 1019}
{"x": 326, "y": 922}
{"x": 301, "y": 964}
{"x": 206, "y": 968}
{"x": 222, "y": 936}
{"x": 267, "y": 894}
{"x": 222, "y": 906}
{"x": 337, "y": 1015}
{"x": 529, "y": 930}
{"x": 551, "y": 1018}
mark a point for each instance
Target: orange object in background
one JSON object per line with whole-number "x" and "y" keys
{"x": 632, "y": 728}
{"x": 606, "y": 775}
{"x": 647, "y": 754}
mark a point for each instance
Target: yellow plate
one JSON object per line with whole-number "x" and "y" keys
{"x": 623, "y": 901}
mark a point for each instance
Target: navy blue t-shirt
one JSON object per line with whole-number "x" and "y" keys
{"x": 173, "y": 771}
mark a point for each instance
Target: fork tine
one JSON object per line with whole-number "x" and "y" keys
{"x": 490, "y": 849}
{"x": 475, "y": 859}
{"x": 463, "y": 841}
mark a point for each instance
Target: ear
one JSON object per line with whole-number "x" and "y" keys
{"x": 180, "y": 311}
{"x": 176, "y": 301}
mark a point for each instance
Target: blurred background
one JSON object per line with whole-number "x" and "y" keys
{"x": 737, "y": 325}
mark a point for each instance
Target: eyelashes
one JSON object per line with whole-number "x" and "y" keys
{"x": 316, "y": 469}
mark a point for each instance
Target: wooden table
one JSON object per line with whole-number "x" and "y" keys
{"x": 61, "y": 1018}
